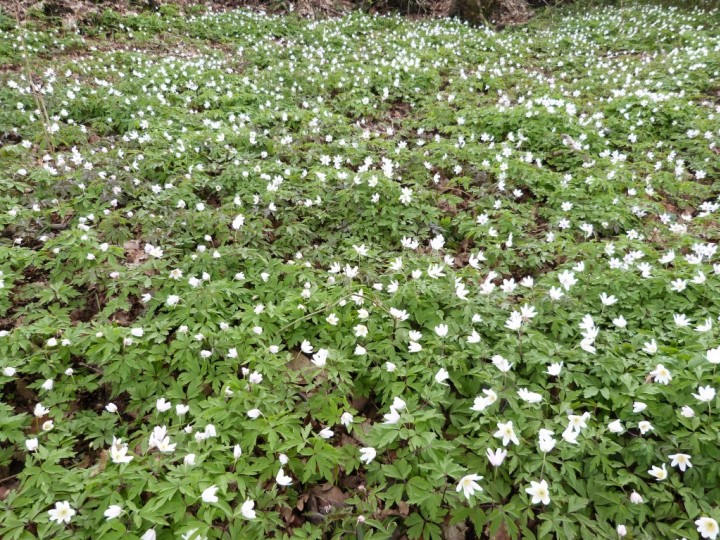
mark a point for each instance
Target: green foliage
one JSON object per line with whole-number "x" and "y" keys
{"x": 267, "y": 277}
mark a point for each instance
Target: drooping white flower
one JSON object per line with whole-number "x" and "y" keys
{"x": 441, "y": 330}
{"x": 367, "y": 454}
{"x": 283, "y": 479}
{"x": 554, "y": 369}
{"x": 705, "y": 394}
{"x": 497, "y": 457}
{"x": 441, "y": 376}
{"x": 346, "y": 419}
{"x": 247, "y": 509}
{"x": 209, "y": 495}
{"x": 660, "y": 473}
{"x": 112, "y": 512}
{"x": 528, "y": 396}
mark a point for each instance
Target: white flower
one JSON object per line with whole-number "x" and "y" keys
{"x": 567, "y": 279}
{"x": 393, "y": 417}
{"x": 661, "y": 374}
{"x": 481, "y": 403}
{"x": 112, "y": 512}
{"x": 162, "y": 405}
{"x": 713, "y": 355}
{"x": 650, "y": 347}
{"x": 181, "y": 409}
{"x": 658, "y": 473}
{"x": 111, "y": 408}
{"x": 209, "y": 495}
{"x": 644, "y": 426}
{"x": 62, "y": 513}
{"x": 578, "y": 422}
{"x": 639, "y": 406}
{"x": 406, "y": 196}
{"x": 620, "y": 322}
{"x": 468, "y": 485}
{"x": 622, "y": 530}
{"x": 137, "y": 332}
{"x": 687, "y": 412}
{"x": 282, "y": 479}
{"x": 496, "y": 458}
{"x": 705, "y": 394}
{"x": 189, "y": 459}
{"x": 441, "y": 376}
{"x": 539, "y": 491}
{"x": 555, "y": 293}
{"x": 159, "y": 439}
{"x": 367, "y": 454}
{"x": 545, "y": 440}
{"x": 554, "y": 369}
{"x": 441, "y": 330}
{"x": 118, "y": 452}
{"x": 326, "y": 433}
{"x": 528, "y": 396}
{"x": 247, "y": 509}
{"x": 438, "y": 242}
{"x": 360, "y": 330}
{"x": 506, "y": 433}
{"x": 501, "y": 363}
{"x": 238, "y": 222}
{"x": 39, "y": 411}
{"x": 707, "y": 527}
{"x": 346, "y": 419}
{"x": 636, "y": 498}
{"x": 320, "y": 357}
{"x": 237, "y": 452}
{"x": 31, "y": 444}
{"x": 681, "y": 461}
{"x": 615, "y": 426}
{"x": 514, "y": 322}
{"x": 399, "y": 314}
